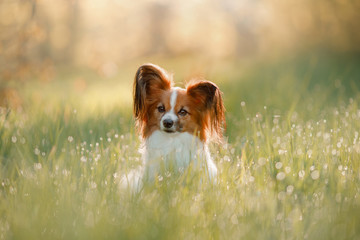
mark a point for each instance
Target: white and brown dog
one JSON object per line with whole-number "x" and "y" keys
{"x": 176, "y": 124}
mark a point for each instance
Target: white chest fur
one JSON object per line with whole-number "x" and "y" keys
{"x": 179, "y": 149}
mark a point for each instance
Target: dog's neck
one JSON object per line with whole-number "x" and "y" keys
{"x": 162, "y": 144}
{"x": 181, "y": 149}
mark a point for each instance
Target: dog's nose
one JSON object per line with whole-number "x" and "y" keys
{"x": 168, "y": 123}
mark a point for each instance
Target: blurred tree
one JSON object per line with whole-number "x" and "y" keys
{"x": 36, "y": 35}
{"x": 19, "y": 31}
{"x": 73, "y": 25}
{"x": 331, "y": 25}
{"x": 243, "y": 17}
{"x": 157, "y": 16}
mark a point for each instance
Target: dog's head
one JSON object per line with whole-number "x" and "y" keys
{"x": 158, "y": 105}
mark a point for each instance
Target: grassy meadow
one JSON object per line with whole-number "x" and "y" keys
{"x": 290, "y": 168}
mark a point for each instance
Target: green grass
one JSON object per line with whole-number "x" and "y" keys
{"x": 290, "y": 170}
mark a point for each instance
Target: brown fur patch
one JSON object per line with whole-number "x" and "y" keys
{"x": 153, "y": 115}
{"x": 207, "y": 99}
{"x": 150, "y": 82}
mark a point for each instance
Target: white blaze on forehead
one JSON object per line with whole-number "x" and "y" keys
{"x": 173, "y": 98}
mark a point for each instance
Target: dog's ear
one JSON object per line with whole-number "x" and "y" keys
{"x": 148, "y": 79}
{"x": 208, "y": 98}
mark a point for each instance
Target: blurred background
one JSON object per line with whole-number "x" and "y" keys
{"x": 289, "y": 71}
{"x": 92, "y": 48}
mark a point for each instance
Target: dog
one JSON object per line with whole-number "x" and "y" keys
{"x": 176, "y": 124}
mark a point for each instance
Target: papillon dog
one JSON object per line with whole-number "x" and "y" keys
{"x": 176, "y": 124}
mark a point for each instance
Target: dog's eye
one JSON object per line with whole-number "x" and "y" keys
{"x": 161, "y": 109}
{"x": 182, "y": 112}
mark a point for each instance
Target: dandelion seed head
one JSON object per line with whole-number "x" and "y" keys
{"x": 278, "y": 165}
{"x": 315, "y": 174}
{"x": 70, "y": 138}
{"x": 280, "y": 176}
{"x": 262, "y": 161}
{"x": 227, "y": 158}
{"x": 36, "y": 151}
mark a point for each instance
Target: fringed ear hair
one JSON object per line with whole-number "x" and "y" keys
{"x": 208, "y": 98}
{"x": 148, "y": 79}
